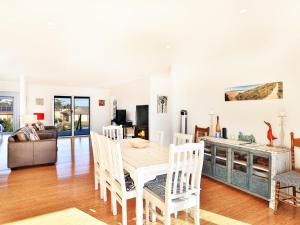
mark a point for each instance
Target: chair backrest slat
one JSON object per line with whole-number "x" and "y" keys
{"x": 117, "y": 164}
{"x": 95, "y": 147}
{"x": 180, "y": 139}
{"x": 113, "y": 132}
{"x": 200, "y": 132}
{"x": 105, "y": 158}
{"x": 295, "y": 142}
{"x": 185, "y": 169}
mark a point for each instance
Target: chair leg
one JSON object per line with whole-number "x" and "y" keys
{"x": 167, "y": 218}
{"x": 114, "y": 203}
{"x": 96, "y": 180}
{"x": 196, "y": 210}
{"x": 176, "y": 215}
{"x": 294, "y": 195}
{"x": 124, "y": 212}
{"x": 153, "y": 215}
{"x": 147, "y": 208}
{"x": 277, "y": 190}
{"x": 104, "y": 191}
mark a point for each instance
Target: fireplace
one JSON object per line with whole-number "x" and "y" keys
{"x": 142, "y": 122}
{"x": 142, "y": 132}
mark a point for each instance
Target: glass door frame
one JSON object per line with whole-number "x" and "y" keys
{"x": 73, "y": 114}
{"x": 66, "y": 97}
{"x": 16, "y": 107}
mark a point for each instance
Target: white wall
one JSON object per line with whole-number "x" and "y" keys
{"x": 9, "y": 85}
{"x": 160, "y": 85}
{"x": 132, "y": 94}
{"x": 99, "y": 115}
{"x": 200, "y": 89}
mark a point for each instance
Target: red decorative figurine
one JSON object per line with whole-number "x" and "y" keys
{"x": 270, "y": 135}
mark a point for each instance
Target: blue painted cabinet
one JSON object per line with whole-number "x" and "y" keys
{"x": 239, "y": 167}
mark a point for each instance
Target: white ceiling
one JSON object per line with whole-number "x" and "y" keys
{"x": 101, "y": 43}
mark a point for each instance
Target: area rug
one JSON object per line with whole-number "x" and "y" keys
{"x": 70, "y": 216}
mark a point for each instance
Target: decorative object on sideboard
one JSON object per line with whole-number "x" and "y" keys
{"x": 247, "y": 138}
{"x": 282, "y": 116}
{"x": 218, "y": 128}
{"x": 224, "y": 133}
{"x": 183, "y": 121}
{"x": 270, "y": 135}
{"x": 211, "y": 126}
{"x": 113, "y": 107}
{"x": 162, "y": 104}
{"x": 39, "y": 101}
{"x": 255, "y": 92}
{"x": 101, "y": 102}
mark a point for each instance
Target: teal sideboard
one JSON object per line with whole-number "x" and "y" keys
{"x": 247, "y": 167}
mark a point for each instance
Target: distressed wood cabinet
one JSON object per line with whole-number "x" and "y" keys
{"x": 247, "y": 167}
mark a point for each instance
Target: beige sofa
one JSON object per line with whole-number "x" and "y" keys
{"x": 32, "y": 153}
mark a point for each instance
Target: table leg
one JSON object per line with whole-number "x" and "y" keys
{"x": 139, "y": 202}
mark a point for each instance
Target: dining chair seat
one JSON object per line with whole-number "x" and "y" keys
{"x": 158, "y": 187}
{"x": 291, "y": 178}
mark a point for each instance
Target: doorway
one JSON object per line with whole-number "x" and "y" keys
{"x": 72, "y": 115}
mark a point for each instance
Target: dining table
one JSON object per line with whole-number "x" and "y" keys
{"x": 143, "y": 164}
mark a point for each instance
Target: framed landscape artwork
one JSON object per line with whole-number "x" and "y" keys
{"x": 255, "y": 92}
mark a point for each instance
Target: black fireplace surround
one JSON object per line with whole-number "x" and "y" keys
{"x": 142, "y": 122}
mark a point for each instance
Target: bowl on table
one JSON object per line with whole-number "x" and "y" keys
{"x": 139, "y": 143}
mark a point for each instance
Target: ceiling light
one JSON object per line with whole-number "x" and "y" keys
{"x": 51, "y": 24}
{"x": 168, "y": 46}
{"x": 243, "y": 11}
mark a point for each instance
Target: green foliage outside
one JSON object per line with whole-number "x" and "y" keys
{"x": 7, "y": 124}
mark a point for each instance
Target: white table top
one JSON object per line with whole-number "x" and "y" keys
{"x": 152, "y": 155}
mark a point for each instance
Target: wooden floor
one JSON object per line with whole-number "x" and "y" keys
{"x": 34, "y": 191}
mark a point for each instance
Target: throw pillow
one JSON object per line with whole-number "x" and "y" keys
{"x": 26, "y": 131}
{"x": 34, "y": 136}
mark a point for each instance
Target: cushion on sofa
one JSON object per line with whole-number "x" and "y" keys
{"x": 34, "y": 136}
{"x": 11, "y": 139}
{"x": 21, "y": 136}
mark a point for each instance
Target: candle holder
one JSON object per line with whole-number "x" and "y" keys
{"x": 212, "y": 126}
{"x": 282, "y": 116}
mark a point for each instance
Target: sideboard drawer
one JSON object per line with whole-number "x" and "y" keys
{"x": 260, "y": 186}
{"x": 207, "y": 168}
{"x": 239, "y": 179}
{"x": 221, "y": 172}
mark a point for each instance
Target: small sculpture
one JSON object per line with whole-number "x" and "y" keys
{"x": 248, "y": 138}
{"x": 270, "y": 135}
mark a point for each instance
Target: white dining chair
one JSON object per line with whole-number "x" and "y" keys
{"x": 105, "y": 169}
{"x": 96, "y": 157}
{"x": 180, "y": 139}
{"x": 181, "y": 189}
{"x": 121, "y": 189}
{"x": 157, "y": 136}
{"x": 113, "y": 132}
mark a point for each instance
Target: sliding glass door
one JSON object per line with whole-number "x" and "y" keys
{"x": 6, "y": 114}
{"x": 72, "y": 115}
{"x": 63, "y": 115}
{"x": 81, "y": 115}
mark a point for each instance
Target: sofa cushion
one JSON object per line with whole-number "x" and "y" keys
{"x": 11, "y": 139}
{"x": 21, "y": 136}
{"x": 26, "y": 131}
